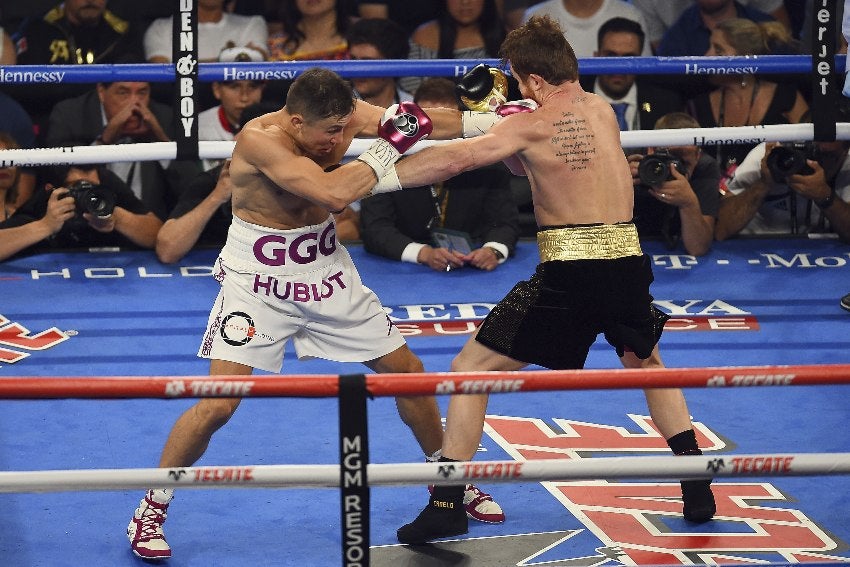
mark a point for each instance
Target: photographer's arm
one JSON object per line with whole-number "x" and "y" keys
{"x": 17, "y": 238}
{"x": 737, "y": 210}
{"x": 178, "y": 235}
{"x": 141, "y": 230}
{"x": 816, "y": 188}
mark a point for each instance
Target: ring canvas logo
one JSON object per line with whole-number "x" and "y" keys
{"x": 643, "y": 521}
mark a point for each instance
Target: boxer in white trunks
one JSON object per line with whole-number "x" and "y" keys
{"x": 284, "y": 276}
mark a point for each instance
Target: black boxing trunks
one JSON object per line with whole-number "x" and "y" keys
{"x": 592, "y": 279}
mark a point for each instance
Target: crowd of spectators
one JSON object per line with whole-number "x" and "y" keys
{"x": 716, "y": 192}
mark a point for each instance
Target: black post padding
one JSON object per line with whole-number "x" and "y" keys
{"x": 354, "y": 458}
{"x": 824, "y": 93}
{"x": 184, "y": 54}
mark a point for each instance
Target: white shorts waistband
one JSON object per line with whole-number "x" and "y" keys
{"x": 252, "y": 247}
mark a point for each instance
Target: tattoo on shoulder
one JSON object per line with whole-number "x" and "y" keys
{"x": 574, "y": 141}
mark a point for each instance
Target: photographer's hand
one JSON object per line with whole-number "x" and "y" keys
{"x": 676, "y": 192}
{"x": 60, "y": 208}
{"x": 634, "y": 160}
{"x": 813, "y": 186}
{"x": 697, "y": 228}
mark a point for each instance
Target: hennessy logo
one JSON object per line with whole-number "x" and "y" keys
{"x": 715, "y": 465}
{"x": 176, "y": 474}
{"x": 446, "y": 470}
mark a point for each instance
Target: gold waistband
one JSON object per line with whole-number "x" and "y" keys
{"x": 597, "y": 242}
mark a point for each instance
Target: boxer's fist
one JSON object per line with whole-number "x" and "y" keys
{"x": 483, "y": 88}
{"x": 401, "y": 126}
{"x": 475, "y": 123}
{"x": 404, "y": 124}
{"x": 516, "y": 106}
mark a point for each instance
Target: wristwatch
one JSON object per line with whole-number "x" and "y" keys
{"x": 499, "y": 255}
{"x": 826, "y": 203}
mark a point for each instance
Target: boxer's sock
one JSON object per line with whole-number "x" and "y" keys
{"x": 444, "y": 516}
{"x": 698, "y": 500}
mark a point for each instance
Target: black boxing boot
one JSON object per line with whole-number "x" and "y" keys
{"x": 698, "y": 500}
{"x": 444, "y": 516}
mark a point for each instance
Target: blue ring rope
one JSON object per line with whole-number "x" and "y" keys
{"x": 208, "y": 72}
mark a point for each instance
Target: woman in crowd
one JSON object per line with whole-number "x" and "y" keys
{"x": 746, "y": 99}
{"x": 467, "y": 29}
{"x": 311, "y": 30}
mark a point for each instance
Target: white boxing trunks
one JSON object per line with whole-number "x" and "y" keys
{"x": 299, "y": 284}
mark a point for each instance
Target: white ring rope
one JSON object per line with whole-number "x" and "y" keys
{"x": 318, "y": 476}
{"x": 222, "y": 149}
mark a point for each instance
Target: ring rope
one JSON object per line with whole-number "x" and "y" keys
{"x": 279, "y": 70}
{"x": 419, "y": 384}
{"x": 317, "y": 476}
{"x": 223, "y": 149}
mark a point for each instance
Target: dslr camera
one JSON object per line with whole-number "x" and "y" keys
{"x": 655, "y": 169}
{"x": 790, "y": 159}
{"x": 91, "y": 198}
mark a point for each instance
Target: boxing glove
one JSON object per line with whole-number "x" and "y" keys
{"x": 483, "y": 88}
{"x": 516, "y": 106}
{"x": 401, "y": 126}
{"x": 476, "y": 123}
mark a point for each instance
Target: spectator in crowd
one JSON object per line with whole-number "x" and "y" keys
{"x": 201, "y": 218}
{"x": 120, "y": 113}
{"x": 10, "y": 178}
{"x": 690, "y": 34}
{"x": 464, "y": 30}
{"x": 405, "y": 225}
{"x": 53, "y": 219}
{"x": 8, "y": 55}
{"x": 581, "y": 20}
{"x": 17, "y": 127}
{"x": 746, "y": 99}
{"x": 815, "y": 199}
{"x": 637, "y": 101}
{"x": 378, "y": 38}
{"x": 308, "y": 31}
{"x": 74, "y": 32}
{"x": 682, "y": 205}
{"x": 409, "y": 15}
{"x": 217, "y": 30}
{"x": 222, "y": 122}
{"x": 311, "y": 30}
{"x": 512, "y": 13}
{"x": 660, "y": 15}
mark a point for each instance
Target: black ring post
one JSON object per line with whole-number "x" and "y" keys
{"x": 184, "y": 54}
{"x": 353, "y": 458}
{"x": 824, "y": 93}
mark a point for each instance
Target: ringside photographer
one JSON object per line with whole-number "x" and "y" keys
{"x": 79, "y": 206}
{"x": 676, "y": 192}
{"x": 789, "y": 188}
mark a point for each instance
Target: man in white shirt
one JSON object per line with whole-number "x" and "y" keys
{"x": 581, "y": 20}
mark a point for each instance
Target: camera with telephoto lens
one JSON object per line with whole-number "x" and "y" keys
{"x": 91, "y": 198}
{"x": 655, "y": 169}
{"x": 790, "y": 159}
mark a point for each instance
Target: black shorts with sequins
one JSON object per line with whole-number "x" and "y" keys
{"x": 552, "y": 319}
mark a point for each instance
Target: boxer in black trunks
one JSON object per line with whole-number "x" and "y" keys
{"x": 593, "y": 277}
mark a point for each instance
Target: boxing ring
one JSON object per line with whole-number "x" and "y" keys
{"x": 97, "y": 361}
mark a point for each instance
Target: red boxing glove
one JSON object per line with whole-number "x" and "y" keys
{"x": 515, "y": 106}
{"x": 404, "y": 124}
